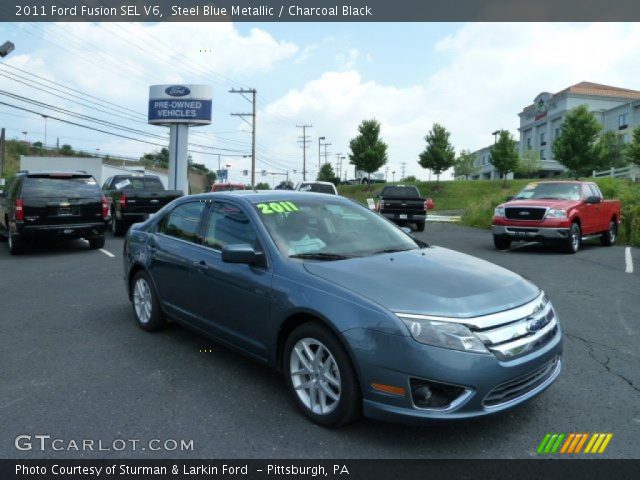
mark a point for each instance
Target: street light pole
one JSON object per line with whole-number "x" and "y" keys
{"x": 45, "y": 130}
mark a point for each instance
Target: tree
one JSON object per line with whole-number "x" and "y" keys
{"x": 285, "y": 185}
{"x": 610, "y": 151}
{"x": 368, "y": 151}
{"x": 156, "y": 159}
{"x": 211, "y": 179}
{"x": 409, "y": 179}
{"x": 633, "y": 149}
{"x": 263, "y": 186}
{"x": 66, "y": 149}
{"x": 576, "y": 148}
{"x": 439, "y": 154}
{"x": 529, "y": 163}
{"x": 326, "y": 174}
{"x": 37, "y": 145}
{"x": 465, "y": 165}
{"x": 504, "y": 155}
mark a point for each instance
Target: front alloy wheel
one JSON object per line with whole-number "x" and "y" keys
{"x": 572, "y": 244}
{"x": 315, "y": 376}
{"x": 321, "y": 376}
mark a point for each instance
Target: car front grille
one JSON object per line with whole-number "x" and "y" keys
{"x": 520, "y": 386}
{"x": 524, "y": 213}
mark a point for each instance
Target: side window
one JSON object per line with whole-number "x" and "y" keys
{"x": 106, "y": 183}
{"x": 12, "y": 187}
{"x": 595, "y": 191}
{"x": 228, "y": 225}
{"x": 183, "y": 221}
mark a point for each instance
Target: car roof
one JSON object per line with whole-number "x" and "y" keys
{"x": 309, "y": 182}
{"x": 53, "y": 172}
{"x": 253, "y": 196}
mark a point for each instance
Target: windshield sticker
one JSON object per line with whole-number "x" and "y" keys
{"x": 306, "y": 245}
{"x": 277, "y": 207}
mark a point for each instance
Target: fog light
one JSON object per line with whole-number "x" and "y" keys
{"x": 427, "y": 394}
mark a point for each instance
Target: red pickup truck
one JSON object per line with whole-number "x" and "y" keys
{"x": 564, "y": 212}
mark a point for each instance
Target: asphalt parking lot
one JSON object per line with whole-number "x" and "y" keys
{"x": 75, "y": 366}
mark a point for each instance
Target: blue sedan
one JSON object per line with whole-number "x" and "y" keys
{"x": 360, "y": 317}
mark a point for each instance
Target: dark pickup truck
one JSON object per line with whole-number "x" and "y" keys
{"x": 403, "y": 204}
{"x": 133, "y": 198}
{"x": 67, "y": 205}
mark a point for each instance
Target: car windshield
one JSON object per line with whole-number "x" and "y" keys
{"x": 407, "y": 192}
{"x": 317, "y": 188}
{"x": 330, "y": 230}
{"x": 139, "y": 183}
{"x": 551, "y": 191}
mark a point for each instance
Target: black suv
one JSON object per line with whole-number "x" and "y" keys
{"x": 66, "y": 205}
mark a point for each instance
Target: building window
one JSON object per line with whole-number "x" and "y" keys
{"x": 543, "y": 140}
{"x": 625, "y": 138}
{"x": 542, "y": 157}
{"x": 622, "y": 121}
{"x": 529, "y": 143}
{"x": 557, "y": 132}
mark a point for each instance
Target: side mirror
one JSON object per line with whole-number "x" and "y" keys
{"x": 406, "y": 230}
{"x": 509, "y": 198}
{"x": 241, "y": 253}
{"x": 593, "y": 199}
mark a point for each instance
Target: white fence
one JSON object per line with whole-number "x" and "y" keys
{"x": 632, "y": 172}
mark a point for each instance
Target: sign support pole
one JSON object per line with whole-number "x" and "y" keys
{"x": 178, "y": 157}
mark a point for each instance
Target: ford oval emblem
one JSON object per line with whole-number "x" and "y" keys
{"x": 177, "y": 91}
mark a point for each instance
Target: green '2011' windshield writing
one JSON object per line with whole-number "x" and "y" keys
{"x": 277, "y": 207}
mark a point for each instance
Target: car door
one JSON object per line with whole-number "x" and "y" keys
{"x": 589, "y": 212}
{"x": 234, "y": 303}
{"x": 172, "y": 250}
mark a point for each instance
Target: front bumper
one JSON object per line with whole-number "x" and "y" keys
{"x": 526, "y": 233}
{"x": 398, "y": 359}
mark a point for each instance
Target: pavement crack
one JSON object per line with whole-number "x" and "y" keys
{"x": 605, "y": 363}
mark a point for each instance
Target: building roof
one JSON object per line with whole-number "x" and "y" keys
{"x": 597, "y": 89}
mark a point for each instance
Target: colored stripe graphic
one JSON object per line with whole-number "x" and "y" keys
{"x": 572, "y": 443}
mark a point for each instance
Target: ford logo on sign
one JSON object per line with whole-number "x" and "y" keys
{"x": 177, "y": 91}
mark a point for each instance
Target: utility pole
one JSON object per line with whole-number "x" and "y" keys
{"x": 1, "y": 151}
{"x": 319, "y": 138}
{"x": 253, "y": 92}
{"x": 305, "y": 141}
{"x": 325, "y": 151}
{"x": 404, "y": 165}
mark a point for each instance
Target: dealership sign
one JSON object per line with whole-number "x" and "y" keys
{"x": 541, "y": 105}
{"x": 187, "y": 104}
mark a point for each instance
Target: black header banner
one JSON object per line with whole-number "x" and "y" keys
{"x": 318, "y": 10}
{"x": 309, "y": 469}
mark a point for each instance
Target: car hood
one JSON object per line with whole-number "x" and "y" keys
{"x": 559, "y": 204}
{"x": 431, "y": 281}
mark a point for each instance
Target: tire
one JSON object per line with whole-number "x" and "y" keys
{"x": 609, "y": 238}
{"x": 16, "y": 244}
{"x": 118, "y": 227}
{"x": 96, "y": 242}
{"x": 501, "y": 243}
{"x": 420, "y": 226}
{"x": 149, "y": 318}
{"x": 335, "y": 374}
{"x": 572, "y": 244}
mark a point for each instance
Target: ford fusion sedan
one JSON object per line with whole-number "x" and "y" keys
{"x": 360, "y": 317}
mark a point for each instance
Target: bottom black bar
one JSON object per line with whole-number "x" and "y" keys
{"x": 548, "y": 469}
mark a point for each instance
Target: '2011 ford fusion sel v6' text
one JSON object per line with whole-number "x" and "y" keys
{"x": 359, "y": 316}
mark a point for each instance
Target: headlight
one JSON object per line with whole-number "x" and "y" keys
{"x": 559, "y": 213}
{"x": 498, "y": 212}
{"x": 444, "y": 334}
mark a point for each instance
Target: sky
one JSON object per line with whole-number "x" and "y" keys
{"x": 472, "y": 78}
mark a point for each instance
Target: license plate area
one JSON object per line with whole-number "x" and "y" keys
{"x": 402, "y": 216}
{"x": 65, "y": 212}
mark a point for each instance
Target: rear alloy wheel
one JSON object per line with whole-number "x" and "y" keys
{"x": 609, "y": 238}
{"x": 96, "y": 242}
{"x": 145, "y": 304}
{"x": 574, "y": 241}
{"x": 321, "y": 377}
{"x": 501, "y": 243}
{"x": 15, "y": 244}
